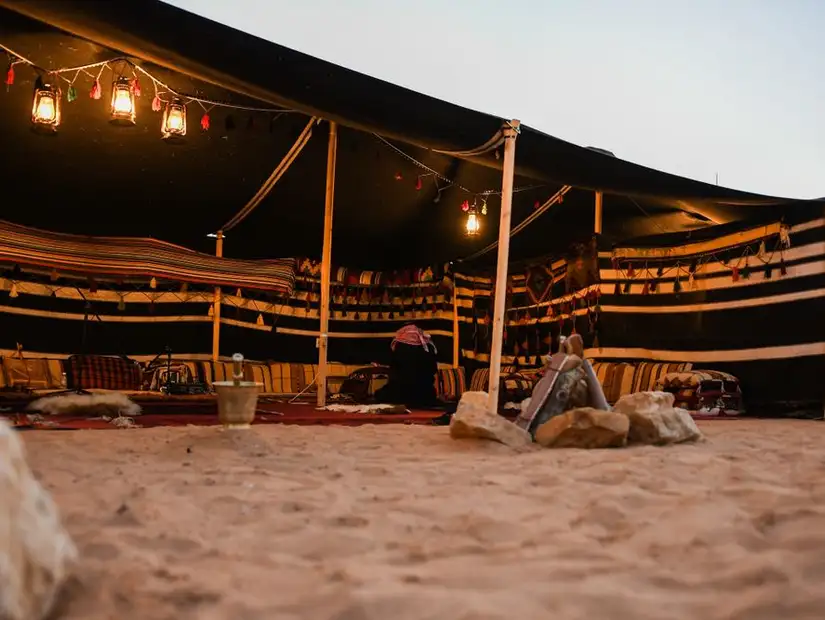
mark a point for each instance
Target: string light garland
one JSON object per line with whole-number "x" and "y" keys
{"x": 126, "y": 89}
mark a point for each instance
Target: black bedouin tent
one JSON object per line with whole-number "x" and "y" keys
{"x": 406, "y": 161}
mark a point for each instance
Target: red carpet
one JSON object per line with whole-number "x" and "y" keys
{"x": 267, "y": 414}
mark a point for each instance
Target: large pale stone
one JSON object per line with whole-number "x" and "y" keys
{"x": 654, "y": 420}
{"x": 36, "y": 553}
{"x": 473, "y": 420}
{"x": 584, "y": 428}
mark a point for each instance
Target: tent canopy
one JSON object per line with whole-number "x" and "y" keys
{"x": 93, "y": 178}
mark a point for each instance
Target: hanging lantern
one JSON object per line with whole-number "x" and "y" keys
{"x": 473, "y": 225}
{"x": 123, "y": 102}
{"x": 173, "y": 126}
{"x": 46, "y": 108}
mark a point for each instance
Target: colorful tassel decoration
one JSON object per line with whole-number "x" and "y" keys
{"x": 121, "y": 305}
{"x": 677, "y": 286}
{"x": 153, "y": 284}
{"x": 13, "y": 290}
{"x": 691, "y": 281}
{"x": 260, "y": 320}
{"x": 238, "y": 294}
{"x": 768, "y": 271}
{"x": 630, "y": 270}
{"x": 71, "y": 94}
{"x": 156, "y": 103}
{"x": 418, "y": 184}
{"x": 746, "y": 271}
{"x": 205, "y": 122}
{"x": 762, "y": 251}
{"x": 10, "y": 75}
{"x": 136, "y": 87}
{"x": 617, "y": 290}
{"x": 95, "y": 93}
{"x": 646, "y": 288}
{"x": 734, "y": 274}
{"x": 211, "y": 311}
{"x": 783, "y": 270}
{"x": 626, "y": 287}
{"x": 692, "y": 267}
{"x": 660, "y": 271}
{"x": 653, "y": 286}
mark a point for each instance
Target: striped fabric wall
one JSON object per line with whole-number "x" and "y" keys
{"x": 46, "y": 315}
{"x": 739, "y": 303}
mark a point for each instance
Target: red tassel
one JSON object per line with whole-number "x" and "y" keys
{"x": 630, "y": 271}
{"x": 646, "y": 288}
{"x": 398, "y": 176}
{"x": 10, "y": 76}
{"x": 95, "y": 93}
{"x": 156, "y": 104}
{"x": 136, "y": 87}
{"x": 465, "y": 206}
{"x": 734, "y": 274}
{"x": 418, "y": 184}
{"x": 536, "y": 204}
{"x": 205, "y": 122}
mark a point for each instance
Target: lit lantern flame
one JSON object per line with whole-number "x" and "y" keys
{"x": 123, "y": 102}
{"x": 46, "y": 108}
{"x": 473, "y": 225}
{"x": 174, "y": 120}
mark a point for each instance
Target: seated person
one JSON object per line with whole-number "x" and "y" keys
{"x": 412, "y": 370}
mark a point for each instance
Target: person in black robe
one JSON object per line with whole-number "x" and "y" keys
{"x": 412, "y": 370}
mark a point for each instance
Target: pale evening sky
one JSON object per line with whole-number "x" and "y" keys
{"x": 693, "y": 87}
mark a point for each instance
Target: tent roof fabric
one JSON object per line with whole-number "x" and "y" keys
{"x": 390, "y": 212}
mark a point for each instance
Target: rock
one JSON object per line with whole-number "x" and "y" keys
{"x": 584, "y": 428}
{"x": 473, "y": 420}
{"x": 36, "y": 553}
{"x": 654, "y": 420}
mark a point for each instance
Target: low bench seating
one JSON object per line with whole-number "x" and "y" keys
{"x": 708, "y": 392}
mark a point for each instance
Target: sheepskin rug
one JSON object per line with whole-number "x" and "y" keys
{"x": 396, "y": 409}
{"x": 95, "y": 405}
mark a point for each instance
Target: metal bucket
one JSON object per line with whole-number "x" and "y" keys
{"x": 237, "y": 400}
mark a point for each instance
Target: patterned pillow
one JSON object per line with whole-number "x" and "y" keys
{"x": 450, "y": 383}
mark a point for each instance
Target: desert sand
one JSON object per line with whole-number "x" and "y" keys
{"x": 401, "y": 522}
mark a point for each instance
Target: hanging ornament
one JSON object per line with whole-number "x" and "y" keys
{"x": 472, "y": 227}
{"x": 691, "y": 281}
{"x": 465, "y": 206}
{"x": 157, "y": 104}
{"x": 614, "y": 261}
{"x": 677, "y": 285}
{"x": 71, "y": 94}
{"x": 631, "y": 271}
{"x": 153, "y": 283}
{"x": 762, "y": 252}
{"x": 9, "y": 75}
{"x": 121, "y": 305}
{"x": 96, "y": 92}
{"x": 92, "y": 286}
{"x": 260, "y": 321}
{"x": 53, "y": 294}
{"x": 211, "y": 311}
{"x": 660, "y": 271}
{"x": 646, "y": 288}
{"x": 184, "y": 287}
{"x": 746, "y": 270}
{"x": 734, "y": 274}
{"x": 783, "y": 270}
{"x": 617, "y": 290}
{"x": 418, "y": 184}
{"x": 136, "y": 87}
{"x": 626, "y": 287}
{"x": 784, "y": 236}
{"x": 692, "y": 267}
{"x": 205, "y": 122}
{"x": 484, "y": 208}
{"x": 537, "y": 205}
{"x": 54, "y": 275}
{"x": 654, "y": 284}
{"x": 768, "y": 271}
{"x": 238, "y": 294}
{"x": 13, "y": 290}
{"x": 398, "y": 176}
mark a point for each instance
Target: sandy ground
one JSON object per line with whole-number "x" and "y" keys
{"x": 400, "y": 522}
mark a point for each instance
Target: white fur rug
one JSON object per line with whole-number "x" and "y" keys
{"x": 111, "y": 404}
{"x": 366, "y": 408}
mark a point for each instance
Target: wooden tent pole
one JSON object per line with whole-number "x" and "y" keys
{"x": 326, "y": 265}
{"x": 597, "y": 227}
{"x": 456, "y": 343}
{"x": 510, "y": 133}
{"x": 216, "y": 304}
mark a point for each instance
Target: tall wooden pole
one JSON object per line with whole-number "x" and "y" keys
{"x": 216, "y": 305}
{"x": 510, "y": 133}
{"x": 326, "y": 266}
{"x": 456, "y": 343}
{"x": 597, "y": 226}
